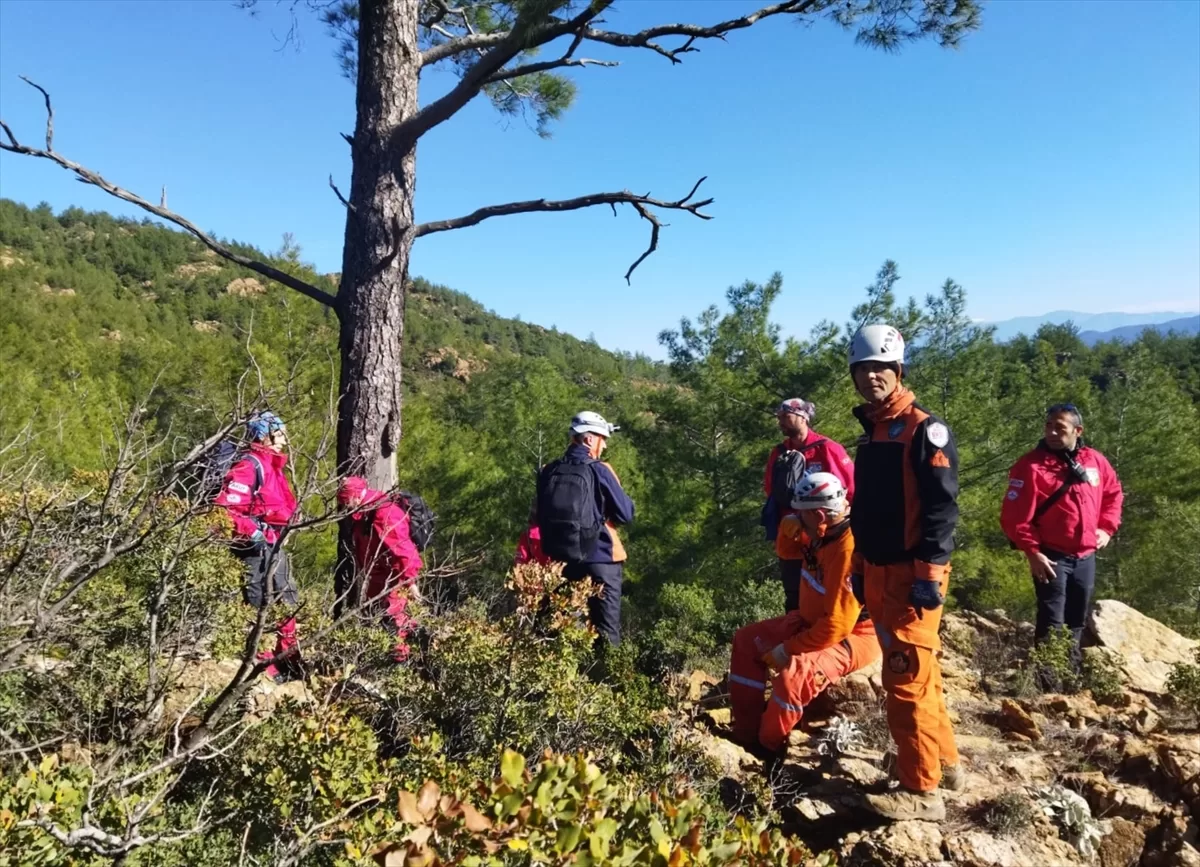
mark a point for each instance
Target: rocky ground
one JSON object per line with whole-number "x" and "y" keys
{"x": 1052, "y": 779}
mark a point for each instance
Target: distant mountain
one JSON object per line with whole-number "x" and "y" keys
{"x": 1186, "y": 325}
{"x": 1099, "y": 323}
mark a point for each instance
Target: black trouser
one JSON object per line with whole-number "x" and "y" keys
{"x": 790, "y": 572}
{"x": 256, "y": 555}
{"x": 1065, "y": 600}
{"x": 604, "y": 611}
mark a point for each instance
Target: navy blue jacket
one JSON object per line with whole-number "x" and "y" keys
{"x": 612, "y": 504}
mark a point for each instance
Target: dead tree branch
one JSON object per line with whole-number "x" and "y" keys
{"x": 87, "y": 176}
{"x": 646, "y": 38}
{"x": 641, "y": 203}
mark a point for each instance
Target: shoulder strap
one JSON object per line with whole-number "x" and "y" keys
{"x": 1045, "y": 505}
{"x": 258, "y": 471}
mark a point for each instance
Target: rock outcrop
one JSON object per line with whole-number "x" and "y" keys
{"x": 1146, "y": 650}
{"x": 1037, "y": 765}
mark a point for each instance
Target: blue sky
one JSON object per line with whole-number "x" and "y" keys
{"x": 1052, "y": 162}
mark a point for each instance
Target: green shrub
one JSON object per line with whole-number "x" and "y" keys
{"x": 1184, "y": 684}
{"x": 1101, "y": 675}
{"x": 1009, "y": 815}
{"x": 1051, "y": 664}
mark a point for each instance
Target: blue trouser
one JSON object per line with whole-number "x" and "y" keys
{"x": 1065, "y": 600}
{"x": 604, "y": 611}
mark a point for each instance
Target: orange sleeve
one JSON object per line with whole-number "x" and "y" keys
{"x": 841, "y": 608}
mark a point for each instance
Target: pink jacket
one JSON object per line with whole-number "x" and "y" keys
{"x": 253, "y": 507}
{"x": 529, "y": 547}
{"x": 383, "y": 548}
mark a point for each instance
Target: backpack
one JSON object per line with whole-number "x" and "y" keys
{"x": 566, "y": 510}
{"x": 421, "y": 519}
{"x": 785, "y": 475}
{"x": 217, "y": 464}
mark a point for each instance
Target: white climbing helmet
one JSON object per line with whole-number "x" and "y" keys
{"x": 592, "y": 422}
{"x": 877, "y": 343}
{"x": 819, "y": 491}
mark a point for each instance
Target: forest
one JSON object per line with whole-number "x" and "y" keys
{"x": 121, "y": 336}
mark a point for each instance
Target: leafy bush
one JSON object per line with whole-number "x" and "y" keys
{"x": 1008, "y": 815}
{"x": 1101, "y": 675}
{"x": 1051, "y": 664}
{"x": 569, "y": 811}
{"x": 1184, "y": 684}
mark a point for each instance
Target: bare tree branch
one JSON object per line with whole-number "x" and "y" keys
{"x": 49, "y": 113}
{"x": 642, "y": 204}
{"x": 567, "y": 59}
{"x": 338, "y": 193}
{"x": 645, "y": 38}
{"x": 87, "y": 176}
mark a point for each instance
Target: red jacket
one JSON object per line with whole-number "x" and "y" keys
{"x": 266, "y": 507}
{"x": 529, "y": 548}
{"x": 821, "y": 455}
{"x": 383, "y": 548}
{"x": 1069, "y": 526}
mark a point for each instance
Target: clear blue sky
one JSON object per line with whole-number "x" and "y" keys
{"x": 1052, "y": 162}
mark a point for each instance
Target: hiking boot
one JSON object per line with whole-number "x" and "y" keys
{"x": 903, "y": 805}
{"x": 954, "y": 778}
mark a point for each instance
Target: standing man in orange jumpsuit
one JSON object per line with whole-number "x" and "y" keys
{"x": 825, "y": 638}
{"x": 906, "y": 475}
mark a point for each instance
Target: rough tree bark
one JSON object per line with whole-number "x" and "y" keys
{"x": 379, "y": 236}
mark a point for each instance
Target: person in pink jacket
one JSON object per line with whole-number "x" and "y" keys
{"x": 385, "y": 556}
{"x": 259, "y": 499}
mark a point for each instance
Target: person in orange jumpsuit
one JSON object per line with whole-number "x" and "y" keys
{"x": 905, "y": 509}
{"x": 825, "y": 638}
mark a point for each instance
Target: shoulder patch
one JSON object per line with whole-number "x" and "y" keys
{"x": 1016, "y": 483}
{"x": 233, "y": 498}
{"x": 895, "y": 429}
{"x": 1012, "y": 495}
{"x": 239, "y": 487}
{"x": 939, "y": 459}
{"x": 938, "y": 433}
{"x": 1093, "y": 476}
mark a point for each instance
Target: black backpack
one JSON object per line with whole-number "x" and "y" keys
{"x": 421, "y": 519}
{"x": 217, "y": 464}
{"x": 785, "y": 475}
{"x": 566, "y": 510}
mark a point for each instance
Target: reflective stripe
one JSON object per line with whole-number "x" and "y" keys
{"x": 812, "y": 582}
{"x": 794, "y": 708}
{"x": 745, "y": 681}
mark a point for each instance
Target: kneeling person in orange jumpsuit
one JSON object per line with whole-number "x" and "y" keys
{"x": 819, "y": 643}
{"x": 905, "y": 509}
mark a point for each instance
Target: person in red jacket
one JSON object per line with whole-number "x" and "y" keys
{"x": 828, "y": 636}
{"x": 1063, "y": 504}
{"x": 384, "y": 554}
{"x": 259, "y": 499}
{"x": 820, "y": 455}
{"x": 529, "y": 545}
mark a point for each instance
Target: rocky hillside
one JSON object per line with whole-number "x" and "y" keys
{"x": 1054, "y": 779}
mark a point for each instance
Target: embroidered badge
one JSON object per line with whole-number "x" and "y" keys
{"x": 938, "y": 434}
{"x": 1016, "y": 483}
{"x": 939, "y": 459}
{"x": 1093, "y": 476}
{"x": 895, "y": 429}
{"x": 239, "y": 487}
{"x": 814, "y": 468}
{"x": 898, "y": 662}
{"x": 233, "y": 498}
{"x": 1012, "y": 495}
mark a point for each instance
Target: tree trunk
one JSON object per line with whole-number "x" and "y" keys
{"x": 379, "y": 236}
{"x": 378, "y": 241}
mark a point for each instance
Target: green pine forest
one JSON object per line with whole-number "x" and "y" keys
{"x": 100, "y": 312}
{"x": 100, "y": 315}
